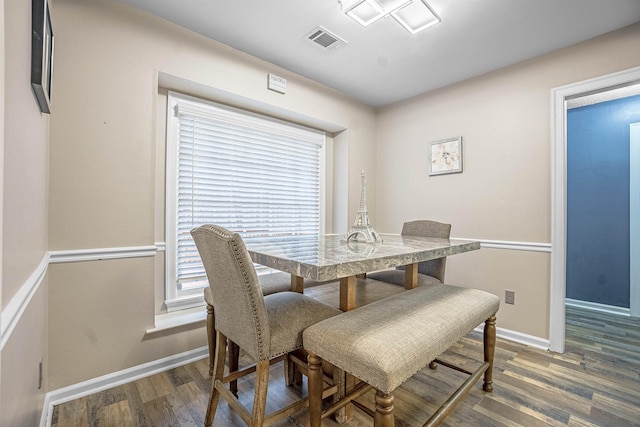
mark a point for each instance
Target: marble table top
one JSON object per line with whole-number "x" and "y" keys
{"x": 329, "y": 257}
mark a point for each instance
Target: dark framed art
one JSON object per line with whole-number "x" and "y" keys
{"x": 41, "y": 53}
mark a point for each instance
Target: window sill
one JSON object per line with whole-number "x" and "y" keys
{"x": 164, "y": 322}
{"x": 183, "y": 303}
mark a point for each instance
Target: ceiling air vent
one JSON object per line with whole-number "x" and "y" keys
{"x": 325, "y": 39}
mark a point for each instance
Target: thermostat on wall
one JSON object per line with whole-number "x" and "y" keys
{"x": 277, "y": 83}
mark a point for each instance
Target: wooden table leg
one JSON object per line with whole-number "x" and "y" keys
{"x": 292, "y": 373}
{"x": 297, "y": 284}
{"x": 411, "y": 276}
{"x": 346, "y": 381}
{"x": 347, "y": 293}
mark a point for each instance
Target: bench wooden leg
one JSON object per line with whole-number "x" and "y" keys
{"x": 384, "y": 410}
{"x": 489, "y": 351}
{"x": 315, "y": 390}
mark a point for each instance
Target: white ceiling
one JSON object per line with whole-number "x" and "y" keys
{"x": 383, "y": 63}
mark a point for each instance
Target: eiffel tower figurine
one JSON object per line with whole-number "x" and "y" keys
{"x": 362, "y": 231}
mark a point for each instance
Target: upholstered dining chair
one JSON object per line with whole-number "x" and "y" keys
{"x": 270, "y": 284}
{"x": 429, "y": 272}
{"x": 267, "y": 328}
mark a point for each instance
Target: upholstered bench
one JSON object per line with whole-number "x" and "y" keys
{"x": 385, "y": 343}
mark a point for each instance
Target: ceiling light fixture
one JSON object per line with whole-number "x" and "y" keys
{"x": 413, "y": 15}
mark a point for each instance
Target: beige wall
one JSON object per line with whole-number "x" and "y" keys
{"x": 504, "y": 192}
{"x": 26, "y": 158}
{"x": 106, "y": 182}
{"x": 21, "y": 401}
{"x": 24, "y": 134}
{"x": 107, "y": 188}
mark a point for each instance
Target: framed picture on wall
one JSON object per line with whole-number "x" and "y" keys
{"x": 445, "y": 156}
{"x": 41, "y": 53}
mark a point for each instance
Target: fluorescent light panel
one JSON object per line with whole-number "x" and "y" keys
{"x": 413, "y": 15}
{"x": 366, "y": 12}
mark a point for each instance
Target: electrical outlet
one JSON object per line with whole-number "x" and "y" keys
{"x": 509, "y": 297}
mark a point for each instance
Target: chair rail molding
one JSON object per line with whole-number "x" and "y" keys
{"x": 514, "y": 246}
{"x": 104, "y": 253}
{"x": 13, "y": 311}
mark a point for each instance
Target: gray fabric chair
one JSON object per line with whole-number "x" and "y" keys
{"x": 429, "y": 272}
{"x": 270, "y": 283}
{"x": 267, "y": 328}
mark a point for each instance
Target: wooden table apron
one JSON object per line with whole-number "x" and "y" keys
{"x": 329, "y": 257}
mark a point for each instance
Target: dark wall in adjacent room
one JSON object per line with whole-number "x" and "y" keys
{"x": 598, "y": 201}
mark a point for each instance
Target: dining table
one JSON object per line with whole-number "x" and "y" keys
{"x": 312, "y": 258}
{"x": 331, "y": 257}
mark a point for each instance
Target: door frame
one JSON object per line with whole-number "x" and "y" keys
{"x": 558, "y": 283}
{"x": 634, "y": 218}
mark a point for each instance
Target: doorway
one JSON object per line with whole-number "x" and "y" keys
{"x": 598, "y": 196}
{"x": 560, "y": 96}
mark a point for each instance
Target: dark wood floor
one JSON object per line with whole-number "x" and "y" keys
{"x": 606, "y": 334}
{"x": 596, "y": 382}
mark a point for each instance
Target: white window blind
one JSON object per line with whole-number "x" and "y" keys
{"x": 248, "y": 173}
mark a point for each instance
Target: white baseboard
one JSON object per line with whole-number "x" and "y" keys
{"x": 76, "y": 391}
{"x": 518, "y": 337}
{"x": 521, "y": 338}
{"x": 604, "y": 308}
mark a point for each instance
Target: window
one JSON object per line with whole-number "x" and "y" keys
{"x": 249, "y": 173}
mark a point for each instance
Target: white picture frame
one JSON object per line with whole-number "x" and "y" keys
{"x": 445, "y": 156}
